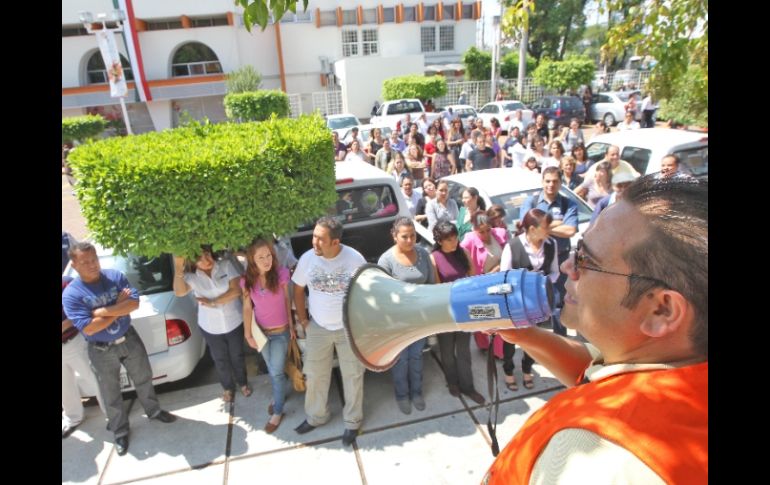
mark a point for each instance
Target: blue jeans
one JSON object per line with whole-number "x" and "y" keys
{"x": 105, "y": 363}
{"x": 274, "y": 352}
{"x": 407, "y": 373}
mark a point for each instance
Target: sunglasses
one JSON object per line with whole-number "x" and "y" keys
{"x": 579, "y": 262}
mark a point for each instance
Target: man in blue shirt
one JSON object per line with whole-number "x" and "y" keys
{"x": 565, "y": 224}
{"x": 99, "y": 304}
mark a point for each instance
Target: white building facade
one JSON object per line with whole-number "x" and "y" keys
{"x": 185, "y": 49}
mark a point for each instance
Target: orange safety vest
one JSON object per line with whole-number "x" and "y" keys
{"x": 660, "y": 416}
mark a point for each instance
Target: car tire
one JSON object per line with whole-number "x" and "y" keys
{"x": 609, "y": 119}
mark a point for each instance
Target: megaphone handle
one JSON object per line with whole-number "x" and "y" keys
{"x": 494, "y": 399}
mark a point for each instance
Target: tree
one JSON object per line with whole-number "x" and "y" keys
{"x": 478, "y": 64}
{"x": 257, "y": 11}
{"x": 244, "y": 79}
{"x": 675, "y": 34}
{"x": 509, "y": 65}
{"x": 567, "y": 74}
{"x": 555, "y": 26}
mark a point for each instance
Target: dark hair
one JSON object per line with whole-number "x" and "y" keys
{"x": 552, "y": 169}
{"x": 252, "y": 271}
{"x": 480, "y": 218}
{"x": 427, "y": 179}
{"x": 401, "y": 221}
{"x": 82, "y": 247}
{"x": 494, "y": 122}
{"x": 676, "y": 210}
{"x": 444, "y": 230}
{"x": 676, "y": 158}
{"x": 607, "y": 168}
{"x": 533, "y": 217}
{"x": 474, "y": 192}
{"x": 581, "y": 146}
{"x": 496, "y": 211}
{"x": 558, "y": 144}
{"x": 332, "y": 225}
{"x": 405, "y": 177}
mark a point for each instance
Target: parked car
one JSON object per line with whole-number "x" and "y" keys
{"x": 369, "y": 200}
{"x": 509, "y": 187}
{"x": 503, "y": 111}
{"x": 465, "y": 112}
{"x": 341, "y": 122}
{"x": 645, "y": 148}
{"x": 363, "y": 133}
{"x": 610, "y": 106}
{"x": 166, "y": 323}
{"x": 561, "y": 109}
{"x": 391, "y": 113}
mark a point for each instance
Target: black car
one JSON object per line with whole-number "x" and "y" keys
{"x": 561, "y": 109}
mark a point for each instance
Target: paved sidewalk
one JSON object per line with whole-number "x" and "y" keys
{"x": 213, "y": 443}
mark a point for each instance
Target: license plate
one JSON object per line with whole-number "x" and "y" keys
{"x": 124, "y": 380}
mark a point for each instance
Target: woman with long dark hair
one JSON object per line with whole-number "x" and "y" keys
{"x": 453, "y": 262}
{"x": 532, "y": 249}
{"x": 406, "y": 261}
{"x": 265, "y": 289}
{"x": 472, "y": 202}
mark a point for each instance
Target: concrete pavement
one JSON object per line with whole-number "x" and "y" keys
{"x": 211, "y": 442}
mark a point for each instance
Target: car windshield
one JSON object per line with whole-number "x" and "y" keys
{"x": 363, "y": 203}
{"x": 338, "y": 123}
{"x": 147, "y": 275}
{"x": 404, "y": 107}
{"x": 512, "y": 106}
{"x": 464, "y": 112}
{"x": 512, "y": 202}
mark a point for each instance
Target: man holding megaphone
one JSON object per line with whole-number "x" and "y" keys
{"x": 637, "y": 289}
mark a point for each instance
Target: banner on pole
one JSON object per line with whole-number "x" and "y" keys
{"x": 106, "y": 41}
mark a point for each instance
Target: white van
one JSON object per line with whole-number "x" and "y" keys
{"x": 644, "y": 149}
{"x": 368, "y": 201}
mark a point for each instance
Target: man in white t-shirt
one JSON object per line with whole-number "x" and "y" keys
{"x": 326, "y": 270}
{"x": 616, "y": 164}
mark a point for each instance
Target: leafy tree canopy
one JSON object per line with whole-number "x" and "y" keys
{"x": 258, "y": 11}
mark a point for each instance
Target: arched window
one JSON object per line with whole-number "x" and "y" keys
{"x": 96, "y": 73}
{"x": 195, "y": 59}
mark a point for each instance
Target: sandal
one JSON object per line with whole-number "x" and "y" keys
{"x": 529, "y": 381}
{"x": 246, "y": 390}
{"x": 510, "y": 383}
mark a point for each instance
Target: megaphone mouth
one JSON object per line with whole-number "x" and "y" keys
{"x": 346, "y": 321}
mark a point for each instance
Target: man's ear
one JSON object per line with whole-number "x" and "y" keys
{"x": 668, "y": 311}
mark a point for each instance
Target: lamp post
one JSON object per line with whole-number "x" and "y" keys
{"x": 110, "y": 56}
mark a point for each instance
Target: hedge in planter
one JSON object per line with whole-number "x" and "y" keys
{"x": 256, "y": 105}
{"x": 220, "y": 184}
{"x": 81, "y": 128}
{"x": 420, "y": 87}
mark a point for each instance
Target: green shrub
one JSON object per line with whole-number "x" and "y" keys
{"x": 81, "y": 128}
{"x": 478, "y": 64}
{"x": 256, "y": 105}
{"x": 689, "y": 102}
{"x": 220, "y": 184}
{"x": 567, "y": 74}
{"x": 416, "y": 86}
{"x": 509, "y": 65}
{"x": 244, "y": 80}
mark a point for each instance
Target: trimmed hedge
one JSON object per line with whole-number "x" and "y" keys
{"x": 420, "y": 87}
{"x": 220, "y": 184}
{"x": 256, "y": 105}
{"x": 81, "y": 128}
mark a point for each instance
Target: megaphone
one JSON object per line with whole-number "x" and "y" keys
{"x": 383, "y": 315}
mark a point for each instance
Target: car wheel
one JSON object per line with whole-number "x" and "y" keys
{"x": 609, "y": 119}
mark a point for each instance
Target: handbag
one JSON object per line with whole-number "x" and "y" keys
{"x": 293, "y": 367}
{"x": 257, "y": 333}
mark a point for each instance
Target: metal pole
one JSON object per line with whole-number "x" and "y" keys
{"x": 125, "y": 115}
{"x": 523, "y": 55}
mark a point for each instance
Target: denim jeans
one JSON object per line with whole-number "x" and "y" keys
{"x": 274, "y": 352}
{"x": 407, "y": 373}
{"x": 227, "y": 353}
{"x": 105, "y": 362}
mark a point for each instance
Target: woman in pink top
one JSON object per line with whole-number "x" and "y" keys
{"x": 266, "y": 295}
{"x": 485, "y": 244}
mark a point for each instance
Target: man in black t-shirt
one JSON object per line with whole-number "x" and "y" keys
{"x": 483, "y": 156}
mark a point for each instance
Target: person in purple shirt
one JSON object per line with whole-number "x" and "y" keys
{"x": 99, "y": 304}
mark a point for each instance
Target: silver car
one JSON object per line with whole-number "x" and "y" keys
{"x": 610, "y": 106}
{"x": 167, "y": 324}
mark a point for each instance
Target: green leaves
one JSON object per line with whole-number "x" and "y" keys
{"x": 421, "y": 87}
{"x": 220, "y": 184}
{"x": 478, "y": 64}
{"x": 256, "y": 11}
{"x": 243, "y": 80}
{"x": 81, "y": 128}
{"x": 256, "y": 105}
{"x": 564, "y": 75}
